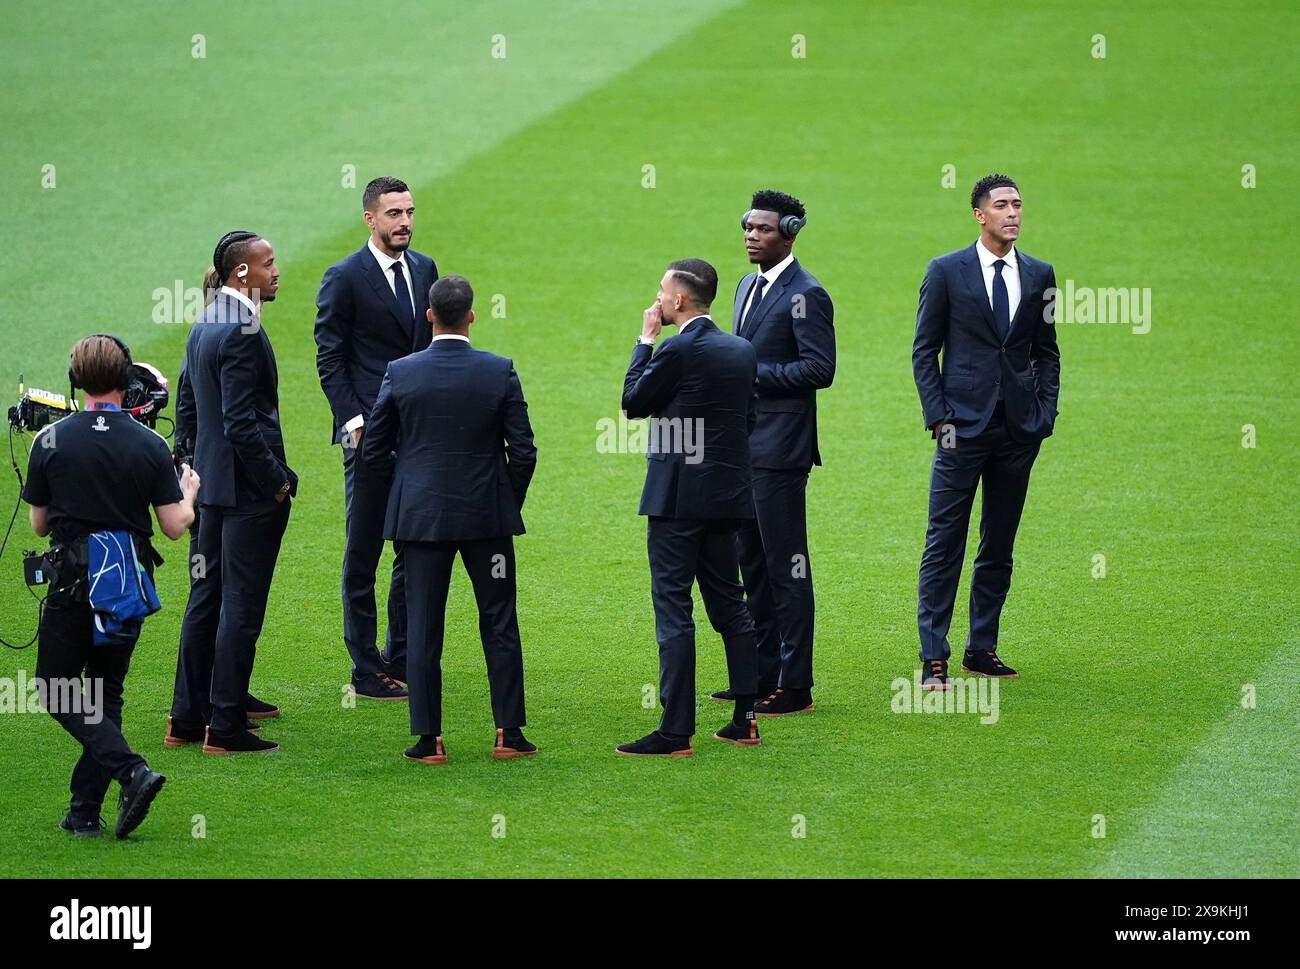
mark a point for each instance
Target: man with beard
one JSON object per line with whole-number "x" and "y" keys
{"x": 371, "y": 311}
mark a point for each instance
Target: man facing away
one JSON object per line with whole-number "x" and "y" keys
{"x": 989, "y": 308}
{"x": 698, "y": 391}
{"x": 458, "y": 424}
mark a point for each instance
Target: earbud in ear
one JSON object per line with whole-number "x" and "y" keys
{"x": 242, "y": 270}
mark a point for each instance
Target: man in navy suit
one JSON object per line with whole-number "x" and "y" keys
{"x": 457, "y": 419}
{"x": 229, "y": 399}
{"x": 370, "y": 311}
{"x": 786, "y": 314}
{"x": 989, "y": 308}
{"x": 698, "y": 392}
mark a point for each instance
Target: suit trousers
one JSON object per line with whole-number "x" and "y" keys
{"x": 681, "y": 552}
{"x": 1002, "y": 464}
{"x": 490, "y": 564}
{"x": 229, "y": 588}
{"x": 365, "y": 507}
{"x": 66, "y": 651}
{"x": 777, "y": 571}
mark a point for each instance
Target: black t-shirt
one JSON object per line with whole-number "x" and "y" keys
{"x": 100, "y": 470}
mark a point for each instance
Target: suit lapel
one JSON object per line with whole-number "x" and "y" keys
{"x": 379, "y": 283}
{"x": 745, "y": 286}
{"x": 973, "y": 276}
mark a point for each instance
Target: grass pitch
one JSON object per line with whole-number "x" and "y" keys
{"x": 529, "y": 175}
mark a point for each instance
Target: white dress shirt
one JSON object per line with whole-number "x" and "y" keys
{"x": 386, "y": 267}
{"x": 1010, "y": 275}
{"x": 681, "y": 329}
{"x": 450, "y": 336}
{"x": 254, "y": 308}
{"x": 771, "y": 276}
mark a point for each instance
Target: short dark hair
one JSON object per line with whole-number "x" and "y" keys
{"x": 986, "y": 185}
{"x": 778, "y": 202}
{"x": 380, "y": 186}
{"x": 96, "y": 364}
{"x": 699, "y": 278}
{"x": 451, "y": 298}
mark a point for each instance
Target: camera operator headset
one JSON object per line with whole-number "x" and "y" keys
{"x": 91, "y": 479}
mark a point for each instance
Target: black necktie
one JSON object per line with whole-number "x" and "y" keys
{"x": 1001, "y": 302}
{"x": 756, "y": 297}
{"x": 404, "y": 311}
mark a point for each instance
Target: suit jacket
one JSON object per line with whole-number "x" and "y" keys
{"x": 698, "y": 390}
{"x": 793, "y": 334}
{"x": 954, "y": 316}
{"x": 228, "y": 407}
{"x": 457, "y": 418}
{"x": 358, "y": 330}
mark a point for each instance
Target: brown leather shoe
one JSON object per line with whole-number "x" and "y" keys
{"x": 425, "y": 753}
{"x": 516, "y": 748}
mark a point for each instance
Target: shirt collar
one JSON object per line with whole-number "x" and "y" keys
{"x": 384, "y": 259}
{"x": 987, "y": 259}
{"x": 448, "y": 336}
{"x": 702, "y": 316}
{"x": 253, "y": 308}
{"x": 771, "y": 275}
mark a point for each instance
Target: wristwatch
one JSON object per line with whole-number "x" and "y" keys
{"x": 642, "y": 341}
{"x": 283, "y": 492}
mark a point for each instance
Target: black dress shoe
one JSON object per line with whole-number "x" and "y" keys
{"x": 726, "y": 696}
{"x": 741, "y": 734}
{"x": 395, "y": 668}
{"x": 137, "y": 794}
{"x": 986, "y": 663}
{"x": 934, "y": 674}
{"x": 82, "y": 825}
{"x": 657, "y": 745}
{"x": 376, "y": 686}
{"x": 181, "y": 733}
{"x": 510, "y": 744}
{"x": 782, "y": 702}
{"x": 240, "y": 742}
{"x": 259, "y": 709}
{"x": 427, "y": 750}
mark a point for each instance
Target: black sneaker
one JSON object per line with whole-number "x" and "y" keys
{"x": 82, "y": 825}
{"x": 657, "y": 745}
{"x": 427, "y": 751}
{"x": 934, "y": 674}
{"x": 726, "y": 696}
{"x": 137, "y": 794}
{"x": 511, "y": 744}
{"x": 986, "y": 663}
{"x": 259, "y": 709}
{"x": 376, "y": 686}
{"x": 781, "y": 702}
{"x": 395, "y": 668}
{"x": 240, "y": 742}
{"x": 741, "y": 734}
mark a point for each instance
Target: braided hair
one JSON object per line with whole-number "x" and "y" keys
{"x": 228, "y": 254}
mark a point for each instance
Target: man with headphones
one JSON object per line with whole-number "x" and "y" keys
{"x": 786, "y": 314}
{"x": 96, "y": 473}
{"x": 229, "y": 389}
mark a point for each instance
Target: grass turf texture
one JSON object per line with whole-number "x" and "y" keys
{"x": 527, "y": 174}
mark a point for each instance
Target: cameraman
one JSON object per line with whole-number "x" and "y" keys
{"x": 98, "y": 471}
